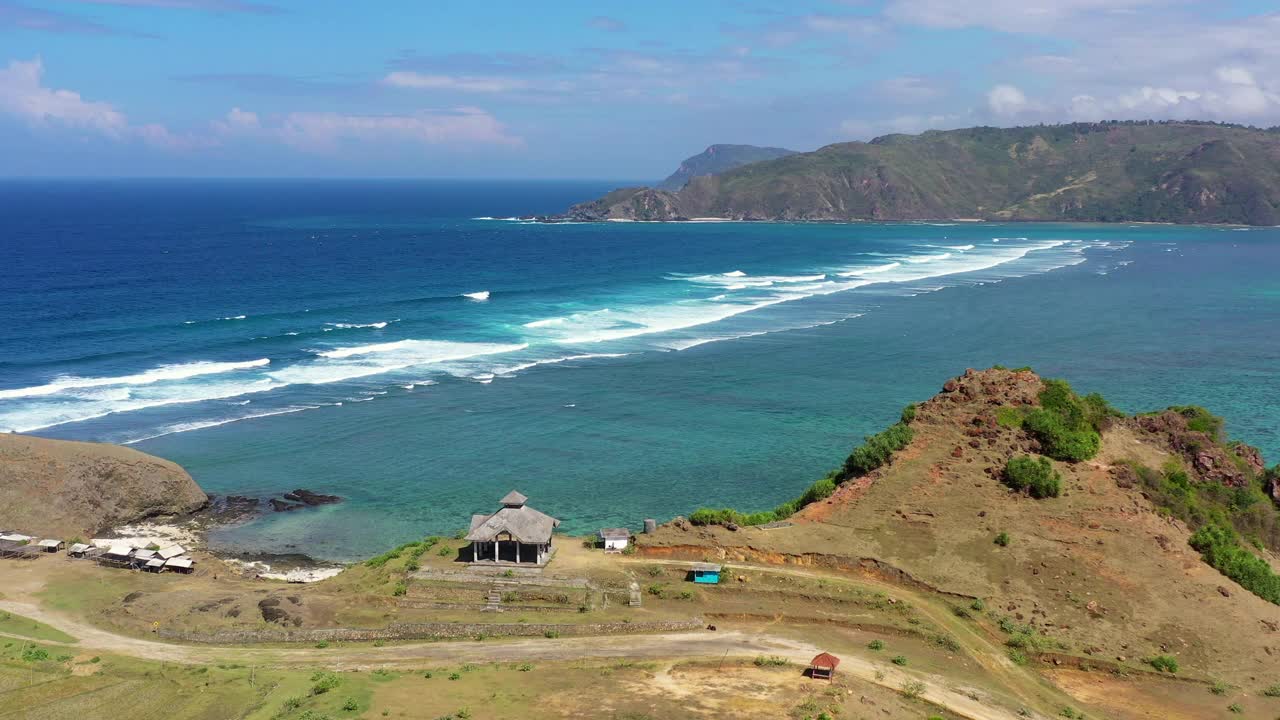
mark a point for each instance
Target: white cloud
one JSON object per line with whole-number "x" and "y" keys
{"x": 1011, "y": 15}
{"x": 908, "y": 89}
{"x": 470, "y": 84}
{"x": 22, "y": 93}
{"x": 1006, "y": 100}
{"x": 327, "y": 131}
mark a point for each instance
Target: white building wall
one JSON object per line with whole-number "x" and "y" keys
{"x": 615, "y": 543}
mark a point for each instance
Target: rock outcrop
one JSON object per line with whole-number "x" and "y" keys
{"x": 59, "y": 488}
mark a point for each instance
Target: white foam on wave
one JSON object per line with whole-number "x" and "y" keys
{"x": 738, "y": 280}
{"x": 871, "y": 270}
{"x": 159, "y": 374}
{"x": 546, "y": 322}
{"x": 482, "y": 295}
{"x": 513, "y": 369}
{"x": 355, "y": 326}
{"x": 204, "y": 424}
{"x": 54, "y": 411}
{"x": 234, "y": 317}
{"x": 961, "y": 248}
{"x": 364, "y": 360}
{"x": 927, "y": 258}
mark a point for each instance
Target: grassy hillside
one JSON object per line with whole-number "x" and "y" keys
{"x": 1082, "y": 533}
{"x": 1182, "y": 172}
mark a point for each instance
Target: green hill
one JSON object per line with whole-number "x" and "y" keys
{"x": 1181, "y": 172}
{"x": 717, "y": 159}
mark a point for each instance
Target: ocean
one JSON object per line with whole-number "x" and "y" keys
{"x": 414, "y": 348}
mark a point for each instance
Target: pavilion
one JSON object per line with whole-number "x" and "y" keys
{"x": 515, "y": 535}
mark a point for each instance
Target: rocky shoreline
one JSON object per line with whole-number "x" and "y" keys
{"x": 191, "y": 531}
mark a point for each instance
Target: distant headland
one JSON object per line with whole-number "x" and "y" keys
{"x": 1130, "y": 171}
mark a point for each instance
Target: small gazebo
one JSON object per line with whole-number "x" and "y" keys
{"x": 823, "y": 667}
{"x": 514, "y": 535}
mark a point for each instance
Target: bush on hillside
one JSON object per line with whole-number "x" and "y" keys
{"x": 1036, "y": 476}
{"x": 1220, "y": 547}
{"x": 1067, "y": 425}
{"x": 877, "y": 449}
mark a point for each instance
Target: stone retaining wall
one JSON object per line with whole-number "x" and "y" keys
{"x": 429, "y": 631}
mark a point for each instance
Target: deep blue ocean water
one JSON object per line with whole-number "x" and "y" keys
{"x": 392, "y": 343}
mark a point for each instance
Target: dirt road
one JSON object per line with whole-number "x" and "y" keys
{"x": 669, "y": 646}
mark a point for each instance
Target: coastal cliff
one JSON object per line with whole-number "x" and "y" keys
{"x": 63, "y": 489}
{"x": 1177, "y": 172}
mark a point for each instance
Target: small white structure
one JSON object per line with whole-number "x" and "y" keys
{"x": 16, "y": 538}
{"x": 154, "y": 565}
{"x": 179, "y": 564}
{"x": 79, "y": 550}
{"x": 144, "y": 554}
{"x": 50, "y": 545}
{"x": 615, "y": 539}
{"x": 172, "y": 552}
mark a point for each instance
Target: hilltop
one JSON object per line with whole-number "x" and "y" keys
{"x": 1086, "y": 535}
{"x": 60, "y": 488}
{"x": 1177, "y": 172}
{"x": 717, "y": 159}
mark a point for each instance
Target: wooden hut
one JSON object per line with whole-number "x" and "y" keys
{"x": 708, "y": 573}
{"x": 79, "y": 550}
{"x": 514, "y": 535}
{"x": 823, "y": 666}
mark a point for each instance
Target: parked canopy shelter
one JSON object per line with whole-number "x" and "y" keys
{"x": 705, "y": 573}
{"x": 515, "y": 534}
{"x": 823, "y": 666}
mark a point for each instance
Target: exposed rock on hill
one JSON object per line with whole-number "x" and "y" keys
{"x": 1182, "y": 172}
{"x": 64, "y": 489}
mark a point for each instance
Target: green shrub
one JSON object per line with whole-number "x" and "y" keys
{"x": 908, "y": 414}
{"x": 1220, "y": 547}
{"x": 322, "y": 644}
{"x": 877, "y": 449}
{"x": 770, "y": 661}
{"x": 31, "y": 653}
{"x": 977, "y": 605}
{"x": 912, "y": 689}
{"x": 1067, "y": 425}
{"x": 351, "y": 705}
{"x": 1002, "y": 539}
{"x": 1273, "y": 691}
{"x": 323, "y": 682}
{"x": 1035, "y": 476}
{"x": 292, "y": 703}
{"x": 1235, "y": 708}
{"x": 1017, "y": 656}
{"x": 899, "y": 660}
{"x": 551, "y": 634}
{"x": 1164, "y": 663}
{"x": 876, "y": 645}
{"x": 1219, "y": 688}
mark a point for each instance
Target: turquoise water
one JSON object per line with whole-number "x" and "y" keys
{"x": 337, "y": 336}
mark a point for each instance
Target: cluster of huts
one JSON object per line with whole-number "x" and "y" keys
{"x": 112, "y": 553}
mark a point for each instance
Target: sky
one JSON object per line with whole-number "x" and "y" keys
{"x": 570, "y": 89}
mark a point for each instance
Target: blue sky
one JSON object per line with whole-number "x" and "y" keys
{"x": 571, "y": 89}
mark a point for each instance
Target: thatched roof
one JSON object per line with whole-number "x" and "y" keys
{"x": 516, "y": 519}
{"x": 514, "y": 499}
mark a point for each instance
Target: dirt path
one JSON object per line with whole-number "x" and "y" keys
{"x": 1027, "y": 686}
{"x": 678, "y": 645}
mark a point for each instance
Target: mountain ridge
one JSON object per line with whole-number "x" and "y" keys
{"x": 1141, "y": 171}
{"x": 717, "y": 159}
